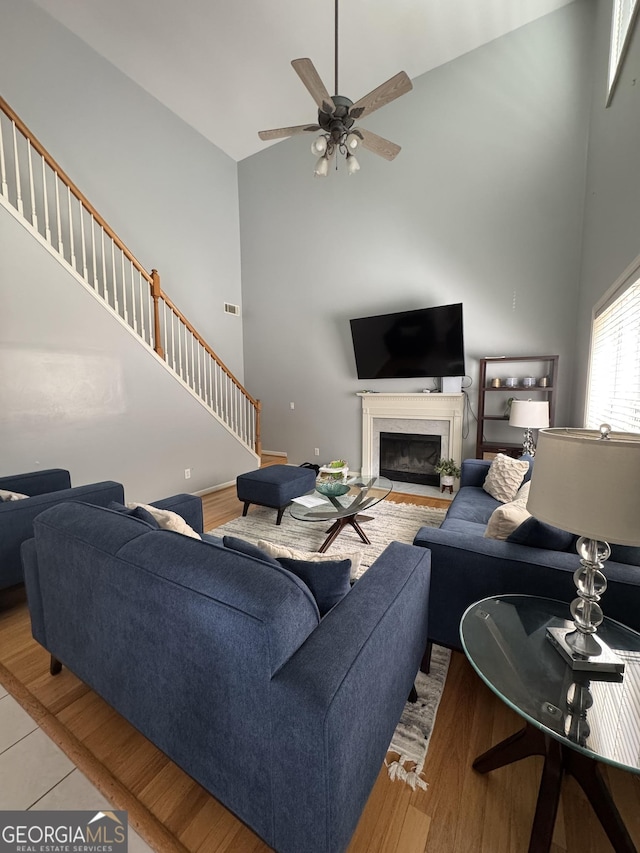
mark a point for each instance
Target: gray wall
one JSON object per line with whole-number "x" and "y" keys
{"x": 169, "y": 193}
{"x": 612, "y": 210}
{"x": 172, "y": 197}
{"x": 78, "y": 391}
{"x": 483, "y": 205}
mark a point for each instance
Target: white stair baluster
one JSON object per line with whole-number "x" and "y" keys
{"x": 34, "y": 215}
{"x": 114, "y": 277}
{"x": 134, "y": 299}
{"x": 105, "y": 290}
{"x": 83, "y": 242}
{"x": 72, "y": 247}
{"x": 16, "y": 167}
{"x": 141, "y": 291}
{"x": 59, "y": 226}
{"x": 45, "y": 199}
{"x": 93, "y": 253}
{"x": 3, "y": 166}
{"x": 124, "y": 290}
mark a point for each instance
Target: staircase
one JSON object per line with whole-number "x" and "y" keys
{"x": 39, "y": 193}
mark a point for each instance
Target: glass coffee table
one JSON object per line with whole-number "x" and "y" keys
{"x": 574, "y": 719}
{"x": 344, "y": 507}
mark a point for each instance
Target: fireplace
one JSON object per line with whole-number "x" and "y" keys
{"x": 421, "y": 416}
{"x": 410, "y": 458}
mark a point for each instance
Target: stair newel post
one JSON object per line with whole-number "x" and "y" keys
{"x": 258, "y": 447}
{"x": 155, "y": 293}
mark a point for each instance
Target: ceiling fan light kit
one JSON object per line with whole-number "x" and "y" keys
{"x": 337, "y": 116}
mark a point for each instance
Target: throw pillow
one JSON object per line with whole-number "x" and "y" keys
{"x": 537, "y": 534}
{"x": 233, "y": 543}
{"x": 328, "y": 580}
{"x": 138, "y": 512}
{"x": 508, "y": 517}
{"x": 168, "y": 520}
{"x": 504, "y": 477}
{"x": 277, "y": 551}
{"x": 6, "y": 495}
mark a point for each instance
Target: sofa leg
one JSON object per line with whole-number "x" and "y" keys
{"x": 55, "y": 666}
{"x": 280, "y": 514}
{"x": 413, "y": 695}
{"x": 425, "y": 663}
{"x": 245, "y": 509}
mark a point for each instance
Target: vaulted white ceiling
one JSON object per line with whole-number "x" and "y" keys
{"x": 224, "y": 67}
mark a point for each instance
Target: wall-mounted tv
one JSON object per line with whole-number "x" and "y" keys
{"x": 424, "y": 342}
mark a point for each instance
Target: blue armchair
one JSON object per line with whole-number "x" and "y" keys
{"x": 45, "y": 488}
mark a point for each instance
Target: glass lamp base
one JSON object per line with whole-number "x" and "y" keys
{"x": 605, "y": 661}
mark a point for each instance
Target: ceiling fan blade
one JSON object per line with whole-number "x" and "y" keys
{"x": 378, "y": 144}
{"x": 384, "y": 94}
{"x": 305, "y": 69}
{"x": 282, "y": 132}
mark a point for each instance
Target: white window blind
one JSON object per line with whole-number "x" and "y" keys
{"x": 623, "y": 19}
{"x": 614, "y": 382}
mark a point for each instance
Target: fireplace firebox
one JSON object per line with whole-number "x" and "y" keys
{"x": 410, "y": 458}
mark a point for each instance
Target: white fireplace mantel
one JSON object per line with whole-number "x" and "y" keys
{"x": 405, "y": 413}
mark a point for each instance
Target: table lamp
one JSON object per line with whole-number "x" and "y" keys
{"x": 529, "y": 414}
{"x": 588, "y": 482}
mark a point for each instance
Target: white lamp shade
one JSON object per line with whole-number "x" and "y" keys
{"x": 588, "y": 485}
{"x": 529, "y": 414}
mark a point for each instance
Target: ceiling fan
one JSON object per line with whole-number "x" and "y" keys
{"x": 337, "y": 116}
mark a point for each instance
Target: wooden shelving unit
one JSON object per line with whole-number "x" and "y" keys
{"x": 494, "y": 433}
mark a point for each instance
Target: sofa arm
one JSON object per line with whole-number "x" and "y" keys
{"x": 187, "y": 506}
{"x": 16, "y": 521}
{"x": 473, "y": 472}
{"x": 466, "y": 568}
{"x": 37, "y": 482}
{"x": 338, "y": 699}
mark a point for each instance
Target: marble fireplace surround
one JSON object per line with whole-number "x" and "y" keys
{"x": 419, "y": 414}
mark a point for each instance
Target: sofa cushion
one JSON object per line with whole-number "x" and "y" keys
{"x": 276, "y": 551}
{"x": 248, "y": 548}
{"x": 508, "y": 517}
{"x": 537, "y": 534}
{"x": 138, "y": 512}
{"x": 627, "y": 554}
{"x": 328, "y": 580}
{"x": 473, "y": 504}
{"x": 168, "y": 520}
{"x": 505, "y": 476}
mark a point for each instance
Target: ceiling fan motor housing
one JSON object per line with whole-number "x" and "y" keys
{"x": 339, "y": 122}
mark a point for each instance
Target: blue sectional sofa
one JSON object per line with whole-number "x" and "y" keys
{"x": 45, "y": 488}
{"x": 222, "y": 660}
{"x": 466, "y": 566}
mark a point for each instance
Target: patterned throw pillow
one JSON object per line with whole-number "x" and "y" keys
{"x": 505, "y": 477}
{"x": 168, "y": 520}
{"x": 507, "y": 518}
{"x": 6, "y": 495}
{"x": 278, "y": 551}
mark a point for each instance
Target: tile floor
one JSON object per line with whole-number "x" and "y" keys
{"x": 36, "y": 774}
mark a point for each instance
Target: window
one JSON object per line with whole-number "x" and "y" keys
{"x": 614, "y": 376}
{"x": 622, "y": 23}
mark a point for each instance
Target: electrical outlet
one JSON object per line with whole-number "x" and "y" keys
{"x": 187, "y": 473}
{"x": 316, "y": 451}
{"x": 292, "y": 405}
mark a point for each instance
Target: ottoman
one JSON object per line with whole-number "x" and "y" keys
{"x": 274, "y": 486}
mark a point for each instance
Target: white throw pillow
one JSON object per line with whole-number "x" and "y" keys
{"x": 11, "y": 496}
{"x": 505, "y": 477}
{"x": 168, "y": 520}
{"x": 508, "y": 517}
{"x": 275, "y": 551}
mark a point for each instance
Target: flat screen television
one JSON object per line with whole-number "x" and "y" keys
{"x": 423, "y": 342}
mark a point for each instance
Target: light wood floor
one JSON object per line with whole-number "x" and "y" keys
{"x": 461, "y": 812}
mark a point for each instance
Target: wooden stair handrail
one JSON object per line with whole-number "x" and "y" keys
{"x": 37, "y": 145}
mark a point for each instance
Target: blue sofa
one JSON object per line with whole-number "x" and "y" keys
{"x": 223, "y": 662}
{"x": 466, "y": 567}
{"x": 44, "y": 488}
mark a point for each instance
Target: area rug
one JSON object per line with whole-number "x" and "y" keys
{"x": 390, "y": 522}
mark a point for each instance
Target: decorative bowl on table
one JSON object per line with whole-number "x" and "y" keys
{"x": 336, "y": 470}
{"x": 331, "y": 488}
